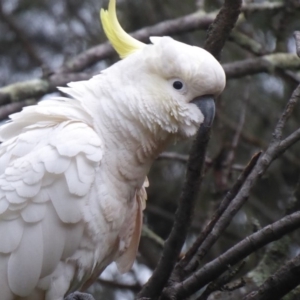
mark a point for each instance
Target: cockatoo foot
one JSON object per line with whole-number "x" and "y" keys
{"x": 79, "y": 296}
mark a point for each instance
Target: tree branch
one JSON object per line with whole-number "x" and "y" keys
{"x": 11, "y": 108}
{"x": 266, "y": 64}
{"x": 224, "y": 204}
{"x": 280, "y": 283}
{"x": 220, "y": 29}
{"x": 238, "y": 252}
{"x": 37, "y": 87}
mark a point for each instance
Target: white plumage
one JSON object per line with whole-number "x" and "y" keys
{"x": 73, "y": 170}
{"x": 55, "y": 213}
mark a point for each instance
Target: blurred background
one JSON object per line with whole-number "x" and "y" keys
{"x": 39, "y": 36}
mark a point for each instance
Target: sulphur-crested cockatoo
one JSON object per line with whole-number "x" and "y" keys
{"x": 73, "y": 170}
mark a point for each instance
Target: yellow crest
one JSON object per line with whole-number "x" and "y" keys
{"x": 122, "y": 42}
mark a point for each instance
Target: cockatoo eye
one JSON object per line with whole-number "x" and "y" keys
{"x": 178, "y": 85}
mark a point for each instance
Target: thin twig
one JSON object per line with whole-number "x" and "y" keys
{"x": 219, "y": 283}
{"x": 224, "y": 204}
{"x": 233, "y": 147}
{"x": 277, "y": 135}
{"x": 148, "y": 233}
{"x": 297, "y": 40}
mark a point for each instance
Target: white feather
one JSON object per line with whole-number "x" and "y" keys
{"x": 33, "y": 212}
{"x": 22, "y": 282}
{"x": 11, "y": 232}
{"x": 67, "y": 205}
{"x": 53, "y": 246}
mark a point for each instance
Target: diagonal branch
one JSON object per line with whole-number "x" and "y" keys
{"x": 238, "y": 252}
{"x": 280, "y": 283}
{"x": 224, "y": 204}
{"x": 37, "y": 87}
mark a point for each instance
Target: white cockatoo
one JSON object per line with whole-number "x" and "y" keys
{"x": 73, "y": 170}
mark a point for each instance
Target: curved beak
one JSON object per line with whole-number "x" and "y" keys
{"x": 206, "y": 104}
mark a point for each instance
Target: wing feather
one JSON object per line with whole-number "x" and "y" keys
{"x": 45, "y": 179}
{"x": 53, "y": 248}
{"x": 11, "y": 232}
{"x": 34, "y": 212}
{"x": 131, "y": 233}
{"x": 4, "y": 287}
{"x": 22, "y": 282}
{"x": 66, "y": 204}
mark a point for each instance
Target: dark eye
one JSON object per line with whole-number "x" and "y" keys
{"x": 178, "y": 85}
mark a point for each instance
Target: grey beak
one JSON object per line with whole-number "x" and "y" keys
{"x": 207, "y": 106}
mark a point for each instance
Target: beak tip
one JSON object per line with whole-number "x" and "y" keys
{"x": 206, "y": 104}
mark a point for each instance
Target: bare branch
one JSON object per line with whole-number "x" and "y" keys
{"x": 297, "y": 40}
{"x": 148, "y": 233}
{"x": 280, "y": 283}
{"x": 220, "y": 282}
{"x": 37, "y": 87}
{"x": 233, "y": 147}
{"x": 246, "y": 42}
{"x": 224, "y": 204}
{"x": 220, "y": 29}
{"x": 266, "y": 64}
{"x": 11, "y": 108}
{"x": 286, "y": 114}
{"x": 253, "y": 7}
{"x": 238, "y": 252}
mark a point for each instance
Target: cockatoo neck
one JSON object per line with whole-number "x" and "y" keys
{"x": 132, "y": 134}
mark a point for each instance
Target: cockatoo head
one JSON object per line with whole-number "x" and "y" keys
{"x": 171, "y": 79}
